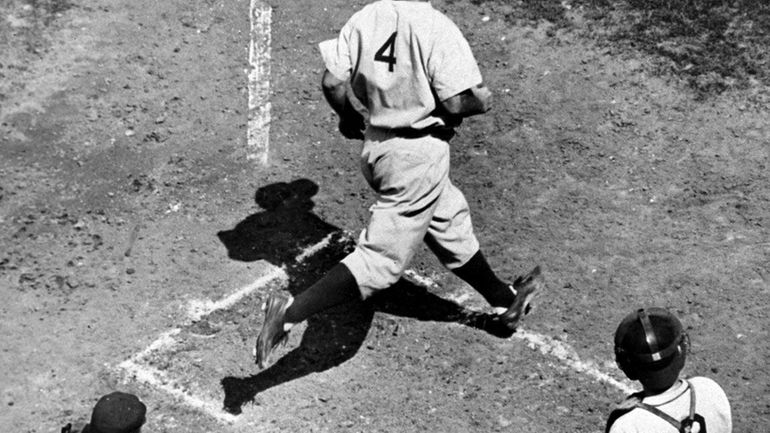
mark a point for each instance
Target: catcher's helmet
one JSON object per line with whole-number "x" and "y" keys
{"x": 651, "y": 347}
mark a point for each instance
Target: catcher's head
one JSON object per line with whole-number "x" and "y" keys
{"x": 651, "y": 347}
{"x": 117, "y": 412}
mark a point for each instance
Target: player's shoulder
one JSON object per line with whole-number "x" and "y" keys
{"x": 625, "y": 421}
{"x": 373, "y": 8}
{"x": 439, "y": 18}
{"x": 365, "y": 12}
{"x": 423, "y": 10}
{"x": 621, "y": 413}
{"x": 707, "y": 387}
{"x": 632, "y": 420}
{"x": 704, "y": 383}
{"x": 630, "y": 402}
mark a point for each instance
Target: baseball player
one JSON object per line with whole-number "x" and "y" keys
{"x": 413, "y": 72}
{"x": 651, "y": 347}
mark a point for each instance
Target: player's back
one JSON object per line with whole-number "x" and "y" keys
{"x": 399, "y": 53}
{"x": 712, "y": 408}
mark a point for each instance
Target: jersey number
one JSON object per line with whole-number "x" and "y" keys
{"x": 390, "y": 47}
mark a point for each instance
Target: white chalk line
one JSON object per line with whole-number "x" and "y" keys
{"x": 158, "y": 379}
{"x": 316, "y": 247}
{"x": 140, "y": 371}
{"x": 198, "y": 309}
{"x": 421, "y": 280}
{"x": 258, "y": 125}
{"x": 543, "y": 343}
{"x": 567, "y": 355}
{"x": 258, "y": 133}
{"x": 165, "y": 340}
{"x": 137, "y": 370}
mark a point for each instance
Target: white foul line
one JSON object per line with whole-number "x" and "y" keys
{"x": 568, "y": 356}
{"x": 258, "y": 126}
{"x": 543, "y": 343}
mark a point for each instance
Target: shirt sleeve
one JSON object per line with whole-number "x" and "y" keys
{"x": 451, "y": 66}
{"x": 336, "y": 54}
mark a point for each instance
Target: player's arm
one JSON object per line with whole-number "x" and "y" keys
{"x": 476, "y": 100}
{"x": 335, "y": 91}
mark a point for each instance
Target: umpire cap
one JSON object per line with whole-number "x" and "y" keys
{"x": 117, "y": 412}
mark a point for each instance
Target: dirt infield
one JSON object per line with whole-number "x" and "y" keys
{"x": 127, "y": 200}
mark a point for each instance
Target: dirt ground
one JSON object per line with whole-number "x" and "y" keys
{"x": 126, "y": 194}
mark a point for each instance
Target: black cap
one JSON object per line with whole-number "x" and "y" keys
{"x": 117, "y": 412}
{"x": 651, "y": 346}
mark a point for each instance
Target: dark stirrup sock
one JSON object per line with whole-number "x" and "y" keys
{"x": 336, "y": 287}
{"x": 482, "y": 278}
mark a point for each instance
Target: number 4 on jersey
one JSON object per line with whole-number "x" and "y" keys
{"x": 390, "y": 47}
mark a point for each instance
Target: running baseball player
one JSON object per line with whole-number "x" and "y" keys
{"x": 651, "y": 347}
{"x": 412, "y": 70}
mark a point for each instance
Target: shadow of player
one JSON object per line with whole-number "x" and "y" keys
{"x": 278, "y": 235}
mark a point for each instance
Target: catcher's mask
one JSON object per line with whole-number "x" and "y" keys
{"x": 651, "y": 347}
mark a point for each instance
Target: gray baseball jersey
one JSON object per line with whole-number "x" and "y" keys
{"x": 402, "y": 58}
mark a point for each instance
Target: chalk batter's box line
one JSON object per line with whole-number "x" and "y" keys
{"x": 138, "y": 369}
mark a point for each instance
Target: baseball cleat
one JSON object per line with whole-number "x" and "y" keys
{"x": 274, "y": 329}
{"x": 526, "y": 288}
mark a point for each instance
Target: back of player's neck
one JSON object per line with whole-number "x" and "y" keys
{"x": 648, "y": 392}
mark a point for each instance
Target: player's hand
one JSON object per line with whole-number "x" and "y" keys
{"x": 483, "y": 94}
{"x": 450, "y": 120}
{"x": 352, "y": 130}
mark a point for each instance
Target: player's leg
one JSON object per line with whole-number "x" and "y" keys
{"x": 336, "y": 287}
{"x": 479, "y": 275}
{"x": 450, "y": 236}
{"x": 407, "y": 177}
{"x": 407, "y": 196}
{"x": 283, "y": 311}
